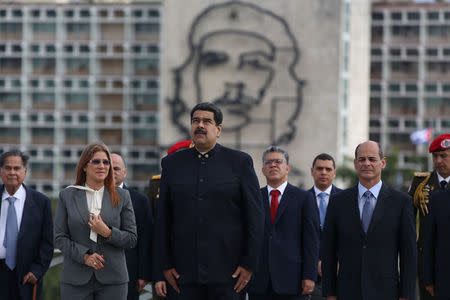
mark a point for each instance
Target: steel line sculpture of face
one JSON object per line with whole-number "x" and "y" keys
{"x": 242, "y": 58}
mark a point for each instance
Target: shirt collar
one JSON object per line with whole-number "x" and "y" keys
{"x": 375, "y": 190}
{"x": 440, "y": 178}
{"x": 281, "y": 188}
{"x": 20, "y": 194}
{"x": 327, "y": 191}
{"x": 208, "y": 154}
{"x": 121, "y": 185}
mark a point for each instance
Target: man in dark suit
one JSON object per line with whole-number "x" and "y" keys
{"x": 323, "y": 171}
{"x": 423, "y": 185}
{"x": 209, "y": 217}
{"x": 288, "y": 265}
{"x": 436, "y": 259}
{"x": 368, "y": 228}
{"x": 436, "y": 262}
{"x": 26, "y": 231}
{"x": 138, "y": 258}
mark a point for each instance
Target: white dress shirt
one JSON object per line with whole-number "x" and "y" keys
{"x": 281, "y": 188}
{"x": 20, "y": 195}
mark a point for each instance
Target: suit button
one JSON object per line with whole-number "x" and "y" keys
{"x": 200, "y": 199}
{"x": 201, "y": 179}
{"x": 364, "y": 246}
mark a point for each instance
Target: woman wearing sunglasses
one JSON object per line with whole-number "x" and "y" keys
{"x": 94, "y": 223}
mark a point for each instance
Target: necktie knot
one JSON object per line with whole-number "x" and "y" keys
{"x": 275, "y": 193}
{"x": 443, "y": 184}
{"x": 367, "y": 195}
{"x": 322, "y": 195}
{"x": 11, "y": 200}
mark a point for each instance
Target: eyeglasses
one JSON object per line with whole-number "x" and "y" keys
{"x": 276, "y": 161}
{"x": 98, "y": 161}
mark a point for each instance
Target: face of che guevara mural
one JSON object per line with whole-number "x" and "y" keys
{"x": 243, "y": 58}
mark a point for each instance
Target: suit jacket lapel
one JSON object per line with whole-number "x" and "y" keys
{"x": 106, "y": 209}
{"x": 28, "y": 208}
{"x": 356, "y": 213}
{"x": 81, "y": 204}
{"x": 378, "y": 211}
{"x": 265, "y": 196}
{"x": 283, "y": 203}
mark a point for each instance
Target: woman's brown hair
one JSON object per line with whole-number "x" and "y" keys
{"x": 87, "y": 155}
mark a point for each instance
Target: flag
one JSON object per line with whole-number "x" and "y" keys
{"x": 421, "y": 136}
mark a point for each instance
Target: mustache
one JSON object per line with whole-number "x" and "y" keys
{"x": 199, "y": 130}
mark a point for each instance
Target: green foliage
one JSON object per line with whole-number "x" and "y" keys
{"x": 51, "y": 284}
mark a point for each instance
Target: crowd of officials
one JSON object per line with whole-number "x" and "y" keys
{"x": 217, "y": 235}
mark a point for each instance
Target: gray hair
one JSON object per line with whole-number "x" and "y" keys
{"x": 278, "y": 149}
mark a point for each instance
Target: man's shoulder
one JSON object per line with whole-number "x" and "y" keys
{"x": 176, "y": 157}
{"x": 135, "y": 194}
{"x": 232, "y": 152}
{"x": 36, "y": 195}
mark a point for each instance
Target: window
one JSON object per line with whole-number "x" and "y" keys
{"x": 411, "y": 88}
{"x": 77, "y": 28}
{"x": 16, "y": 83}
{"x": 152, "y": 84}
{"x": 44, "y": 28}
{"x": 394, "y": 87}
{"x": 51, "y": 13}
{"x": 375, "y": 87}
{"x": 412, "y": 52}
{"x": 395, "y": 52}
{"x": 155, "y": 49}
{"x": 410, "y": 124}
{"x": 414, "y": 16}
{"x": 35, "y": 48}
{"x": 376, "y": 52}
{"x": 84, "y": 49}
{"x": 397, "y": 16}
{"x": 35, "y": 13}
{"x": 432, "y": 52}
{"x": 431, "y": 88}
{"x": 137, "y": 13}
{"x": 84, "y": 13}
{"x": 433, "y": 15}
{"x": 67, "y": 118}
{"x": 17, "y": 48}
{"x": 377, "y": 16}
{"x": 15, "y": 117}
{"x": 17, "y": 13}
{"x": 49, "y": 118}
{"x": 50, "y": 83}
{"x": 146, "y": 28}
{"x": 50, "y": 48}
{"x": 153, "y": 13}
{"x": 68, "y": 13}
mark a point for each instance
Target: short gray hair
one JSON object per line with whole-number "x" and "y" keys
{"x": 278, "y": 149}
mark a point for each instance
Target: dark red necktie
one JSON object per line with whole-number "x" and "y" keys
{"x": 274, "y": 204}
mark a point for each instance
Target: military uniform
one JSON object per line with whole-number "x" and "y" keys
{"x": 423, "y": 184}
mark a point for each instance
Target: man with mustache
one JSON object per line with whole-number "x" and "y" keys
{"x": 370, "y": 231}
{"x": 209, "y": 216}
{"x": 423, "y": 185}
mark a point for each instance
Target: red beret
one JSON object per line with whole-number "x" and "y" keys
{"x": 440, "y": 143}
{"x": 180, "y": 145}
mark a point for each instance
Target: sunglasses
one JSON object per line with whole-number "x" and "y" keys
{"x": 98, "y": 161}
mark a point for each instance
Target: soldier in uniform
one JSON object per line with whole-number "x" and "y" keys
{"x": 423, "y": 184}
{"x": 153, "y": 190}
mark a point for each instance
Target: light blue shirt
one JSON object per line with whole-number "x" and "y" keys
{"x": 375, "y": 190}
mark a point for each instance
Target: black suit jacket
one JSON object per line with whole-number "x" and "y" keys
{"x": 291, "y": 244}
{"x": 209, "y": 217}
{"x": 368, "y": 263}
{"x": 139, "y": 258}
{"x": 436, "y": 259}
{"x": 35, "y": 240}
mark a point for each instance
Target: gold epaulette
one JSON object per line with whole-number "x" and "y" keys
{"x": 421, "y": 194}
{"x": 154, "y": 177}
{"x": 421, "y": 174}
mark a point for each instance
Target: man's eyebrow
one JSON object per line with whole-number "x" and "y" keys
{"x": 265, "y": 55}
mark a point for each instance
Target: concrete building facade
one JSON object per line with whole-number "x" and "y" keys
{"x": 410, "y": 75}
{"x": 76, "y": 72}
